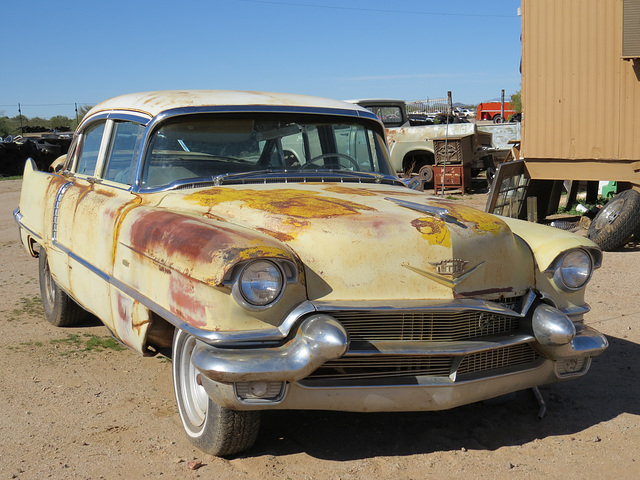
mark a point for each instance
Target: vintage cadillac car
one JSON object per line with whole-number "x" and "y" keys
{"x": 265, "y": 239}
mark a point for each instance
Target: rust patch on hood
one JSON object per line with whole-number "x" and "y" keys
{"x": 480, "y": 222}
{"x": 351, "y": 191}
{"x": 433, "y": 230}
{"x": 291, "y": 202}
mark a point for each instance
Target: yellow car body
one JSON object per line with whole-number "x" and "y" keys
{"x": 297, "y": 280}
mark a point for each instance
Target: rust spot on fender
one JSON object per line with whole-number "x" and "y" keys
{"x": 174, "y": 233}
{"x": 283, "y": 237}
{"x": 290, "y": 202}
{"x": 124, "y": 313}
{"x": 433, "y": 231}
{"x": 184, "y": 302}
{"x": 182, "y": 243}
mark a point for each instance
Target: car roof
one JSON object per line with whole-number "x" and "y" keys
{"x": 376, "y": 101}
{"x": 153, "y": 103}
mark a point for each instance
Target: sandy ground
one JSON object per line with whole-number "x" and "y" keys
{"x": 70, "y": 410}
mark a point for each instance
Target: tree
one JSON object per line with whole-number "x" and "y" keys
{"x": 59, "y": 121}
{"x": 516, "y": 102}
{"x": 82, "y": 111}
{"x": 5, "y": 126}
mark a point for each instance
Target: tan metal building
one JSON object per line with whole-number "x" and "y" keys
{"x": 581, "y": 89}
{"x": 581, "y": 115}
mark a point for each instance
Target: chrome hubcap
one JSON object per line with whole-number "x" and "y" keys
{"x": 49, "y": 287}
{"x": 194, "y": 395}
{"x": 610, "y": 213}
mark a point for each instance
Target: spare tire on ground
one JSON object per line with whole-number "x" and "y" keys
{"x": 614, "y": 225}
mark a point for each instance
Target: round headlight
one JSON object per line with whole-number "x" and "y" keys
{"x": 260, "y": 282}
{"x": 575, "y": 269}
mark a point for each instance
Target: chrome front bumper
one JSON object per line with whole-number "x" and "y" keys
{"x": 280, "y": 373}
{"x": 320, "y": 338}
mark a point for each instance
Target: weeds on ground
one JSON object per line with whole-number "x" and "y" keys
{"x": 86, "y": 343}
{"x": 31, "y": 306}
{"x": 75, "y": 343}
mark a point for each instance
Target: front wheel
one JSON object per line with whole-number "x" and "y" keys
{"x": 211, "y": 428}
{"x": 60, "y": 309}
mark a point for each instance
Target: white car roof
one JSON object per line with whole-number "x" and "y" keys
{"x": 153, "y": 103}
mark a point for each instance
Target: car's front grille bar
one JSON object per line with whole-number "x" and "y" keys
{"x": 487, "y": 362}
{"x": 425, "y": 326}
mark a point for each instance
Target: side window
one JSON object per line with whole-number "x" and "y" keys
{"x": 125, "y": 146}
{"x": 88, "y": 157}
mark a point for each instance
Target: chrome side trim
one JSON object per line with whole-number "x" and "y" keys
{"x": 56, "y": 209}
{"x": 17, "y": 216}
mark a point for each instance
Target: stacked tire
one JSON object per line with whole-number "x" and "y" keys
{"x": 617, "y": 222}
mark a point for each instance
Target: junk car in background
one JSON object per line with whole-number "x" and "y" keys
{"x": 265, "y": 239}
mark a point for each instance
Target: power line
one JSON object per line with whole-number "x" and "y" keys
{"x": 46, "y": 104}
{"x": 376, "y": 10}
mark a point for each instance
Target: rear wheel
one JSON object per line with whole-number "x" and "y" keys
{"x": 617, "y": 221}
{"x": 213, "y": 429}
{"x": 60, "y": 309}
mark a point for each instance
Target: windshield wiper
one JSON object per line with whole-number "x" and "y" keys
{"x": 219, "y": 179}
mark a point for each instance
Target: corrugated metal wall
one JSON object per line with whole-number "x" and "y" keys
{"x": 580, "y": 99}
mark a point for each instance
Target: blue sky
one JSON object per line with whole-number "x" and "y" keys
{"x": 69, "y": 52}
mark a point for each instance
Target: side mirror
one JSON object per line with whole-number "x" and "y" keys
{"x": 58, "y": 164}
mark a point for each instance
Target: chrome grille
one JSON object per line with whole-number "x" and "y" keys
{"x": 500, "y": 358}
{"x": 436, "y": 326}
{"x": 384, "y": 366}
{"x": 389, "y": 366}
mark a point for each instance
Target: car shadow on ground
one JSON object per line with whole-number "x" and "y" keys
{"x": 609, "y": 389}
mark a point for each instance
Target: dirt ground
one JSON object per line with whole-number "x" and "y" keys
{"x": 75, "y": 407}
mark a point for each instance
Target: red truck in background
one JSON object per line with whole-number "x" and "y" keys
{"x": 492, "y": 111}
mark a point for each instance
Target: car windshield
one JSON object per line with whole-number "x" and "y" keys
{"x": 208, "y": 146}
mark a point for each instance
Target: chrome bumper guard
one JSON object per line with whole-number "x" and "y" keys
{"x": 587, "y": 342}
{"x": 320, "y": 338}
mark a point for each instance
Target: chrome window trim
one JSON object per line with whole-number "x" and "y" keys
{"x": 136, "y": 186}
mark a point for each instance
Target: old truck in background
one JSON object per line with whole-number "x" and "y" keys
{"x": 416, "y": 148}
{"x": 584, "y": 129}
{"x": 494, "y": 111}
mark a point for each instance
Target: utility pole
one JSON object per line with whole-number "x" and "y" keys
{"x": 20, "y": 115}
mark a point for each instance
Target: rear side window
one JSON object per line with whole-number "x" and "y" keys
{"x": 123, "y": 151}
{"x": 88, "y": 156}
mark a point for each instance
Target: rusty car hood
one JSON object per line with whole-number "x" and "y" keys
{"x": 373, "y": 242}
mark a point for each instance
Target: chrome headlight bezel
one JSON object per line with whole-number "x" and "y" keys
{"x": 260, "y": 283}
{"x": 284, "y": 270}
{"x": 572, "y": 270}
